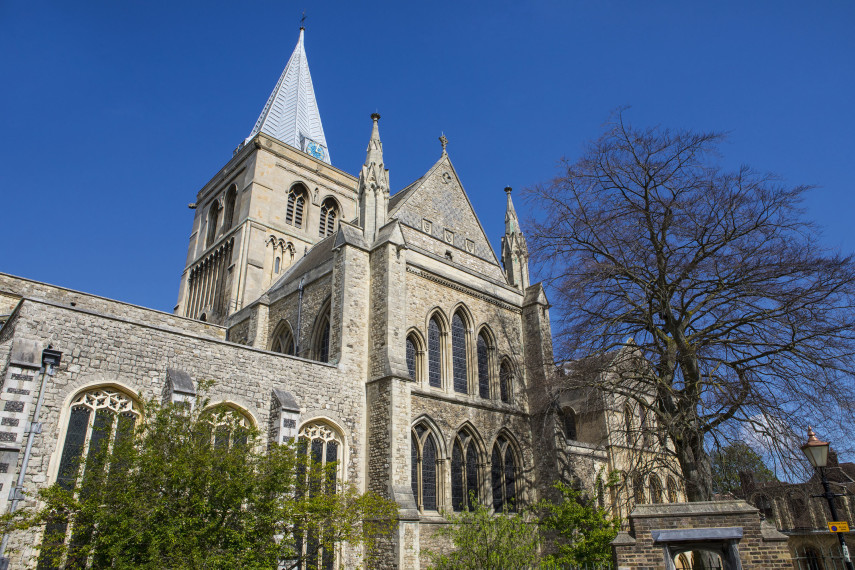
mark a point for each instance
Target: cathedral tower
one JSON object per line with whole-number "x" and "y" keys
{"x": 277, "y": 196}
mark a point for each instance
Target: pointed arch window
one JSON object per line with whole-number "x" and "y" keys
{"x": 655, "y": 489}
{"x": 506, "y": 381}
{"x": 434, "y": 354}
{"x": 503, "y": 470}
{"x": 424, "y": 468}
{"x": 483, "y": 349}
{"x": 228, "y": 426}
{"x": 283, "y": 340}
{"x": 329, "y": 215}
{"x": 628, "y": 424}
{"x": 324, "y": 446}
{"x": 569, "y": 417}
{"x": 213, "y": 220}
{"x": 638, "y": 489}
{"x": 294, "y": 210}
{"x": 672, "y": 490}
{"x": 464, "y": 472}
{"x": 99, "y": 418}
{"x": 646, "y": 428}
{"x": 229, "y": 209}
{"x": 458, "y": 354}
{"x": 322, "y": 337}
{"x": 414, "y": 357}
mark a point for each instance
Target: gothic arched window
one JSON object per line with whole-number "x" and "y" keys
{"x": 283, "y": 339}
{"x": 503, "y": 470}
{"x": 294, "y": 210}
{"x": 322, "y": 337}
{"x": 424, "y": 468}
{"x": 329, "y": 215}
{"x": 672, "y": 490}
{"x": 228, "y": 426}
{"x": 483, "y": 367}
{"x": 414, "y": 356}
{"x": 99, "y": 417}
{"x": 213, "y": 220}
{"x": 464, "y": 472}
{"x": 458, "y": 354}
{"x": 655, "y": 489}
{"x": 646, "y": 428}
{"x": 506, "y": 381}
{"x": 324, "y": 447}
{"x": 229, "y": 209}
{"x": 638, "y": 489}
{"x": 628, "y": 424}
{"x": 434, "y": 354}
{"x": 569, "y": 417}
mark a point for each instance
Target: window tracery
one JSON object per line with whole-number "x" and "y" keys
{"x": 294, "y": 209}
{"x": 434, "y": 354}
{"x": 464, "y": 472}
{"x": 329, "y": 215}
{"x": 483, "y": 366}
{"x": 424, "y": 468}
{"x": 283, "y": 340}
{"x": 503, "y": 470}
{"x": 458, "y": 354}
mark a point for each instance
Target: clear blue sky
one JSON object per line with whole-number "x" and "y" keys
{"x": 114, "y": 114}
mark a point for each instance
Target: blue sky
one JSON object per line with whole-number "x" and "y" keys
{"x": 116, "y": 113}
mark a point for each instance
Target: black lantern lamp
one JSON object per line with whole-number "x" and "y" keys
{"x": 817, "y": 453}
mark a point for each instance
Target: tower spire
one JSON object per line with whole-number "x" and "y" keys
{"x": 373, "y": 186}
{"x": 291, "y": 113}
{"x": 514, "y": 249}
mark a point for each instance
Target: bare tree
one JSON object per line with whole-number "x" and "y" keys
{"x": 704, "y": 291}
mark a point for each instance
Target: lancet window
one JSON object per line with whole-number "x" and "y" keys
{"x": 483, "y": 349}
{"x": 458, "y": 354}
{"x": 655, "y": 489}
{"x": 672, "y": 490}
{"x": 213, "y": 220}
{"x": 229, "y": 209}
{"x": 295, "y": 208}
{"x": 569, "y": 417}
{"x": 415, "y": 356}
{"x": 322, "y": 336}
{"x": 424, "y": 468}
{"x": 503, "y": 471}
{"x": 464, "y": 472}
{"x": 506, "y": 381}
{"x": 329, "y": 215}
{"x": 434, "y": 354}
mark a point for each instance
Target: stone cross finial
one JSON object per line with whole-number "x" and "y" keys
{"x": 444, "y": 142}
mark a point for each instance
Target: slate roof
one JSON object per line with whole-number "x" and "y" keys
{"x": 291, "y": 113}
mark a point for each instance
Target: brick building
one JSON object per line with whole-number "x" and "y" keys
{"x": 324, "y": 305}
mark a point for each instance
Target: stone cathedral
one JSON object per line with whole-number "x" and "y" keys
{"x": 376, "y": 322}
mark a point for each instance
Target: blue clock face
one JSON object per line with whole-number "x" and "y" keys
{"x": 316, "y": 150}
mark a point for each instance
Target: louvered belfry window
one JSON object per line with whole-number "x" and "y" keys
{"x": 295, "y": 206}
{"x": 483, "y": 368}
{"x": 434, "y": 355}
{"x": 458, "y": 354}
{"x": 329, "y": 214}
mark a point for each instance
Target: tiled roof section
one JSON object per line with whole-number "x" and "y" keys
{"x": 291, "y": 113}
{"x": 319, "y": 254}
{"x": 439, "y": 197}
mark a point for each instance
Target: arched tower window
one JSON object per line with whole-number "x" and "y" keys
{"x": 424, "y": 468}
{"x": 434, "y": 354}
{"x": 295, "y": 208}
{"x": 672, "y": 490}
{"x": 655, "y": 489}
{"x": 324, "y": 446}
{"x": 229, "y": 209}
{"x": 213, "y": 219}
{"x": 283, "y": 339}
{"x": 329, "y": 215}
{"x": 414, "y": 356}
{"x": 458, "y": 354}
{"x": 464, "y": 471}
{"x": 321, "y": 349}
{"x": 276, "y": 263}
{"x": 504, "y": 476}
{"x": 483, "y": 366}
{"x": 506, "y": 381}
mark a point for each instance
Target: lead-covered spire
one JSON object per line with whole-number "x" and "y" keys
{"x": 291, "y": 113}
{"x": 514, "y": 249}
{"x": 373, "y": 186}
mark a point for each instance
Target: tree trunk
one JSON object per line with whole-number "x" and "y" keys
{"x": 696, "y": 467}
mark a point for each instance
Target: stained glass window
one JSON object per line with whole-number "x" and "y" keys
{"x": 411, "y": 358}
{"x": 414, "y": 467}
{"x": 496, "y": 467}
{"x": 429, "y": 474}
{"x": 434, "y": 355}
{"x": 457, "y": 487}
{"x": 505, "y": 381}
{"x": 503, "y": 470}
{"x": 322, "y": 347}
{"x": 471, "y": 475}
{"x": 510, "y": 481}
{"x": 323, "y": 445}
{"x": 483, "y": 368}
{"x": 655, "y": 489}
{"x": 672, "y": 490}
{"x": 458, "y": 353}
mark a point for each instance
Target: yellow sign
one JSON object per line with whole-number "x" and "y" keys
{"x": 841, "y": 526}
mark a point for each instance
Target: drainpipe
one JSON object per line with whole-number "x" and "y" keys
{"x": 50, "y": 360}
{"x": 299, "y": 321}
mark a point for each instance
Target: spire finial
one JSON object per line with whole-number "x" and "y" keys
{"x": 303, "y": 21}
{"x": 444, "y": 142}
{"x": 508, "y": 190}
